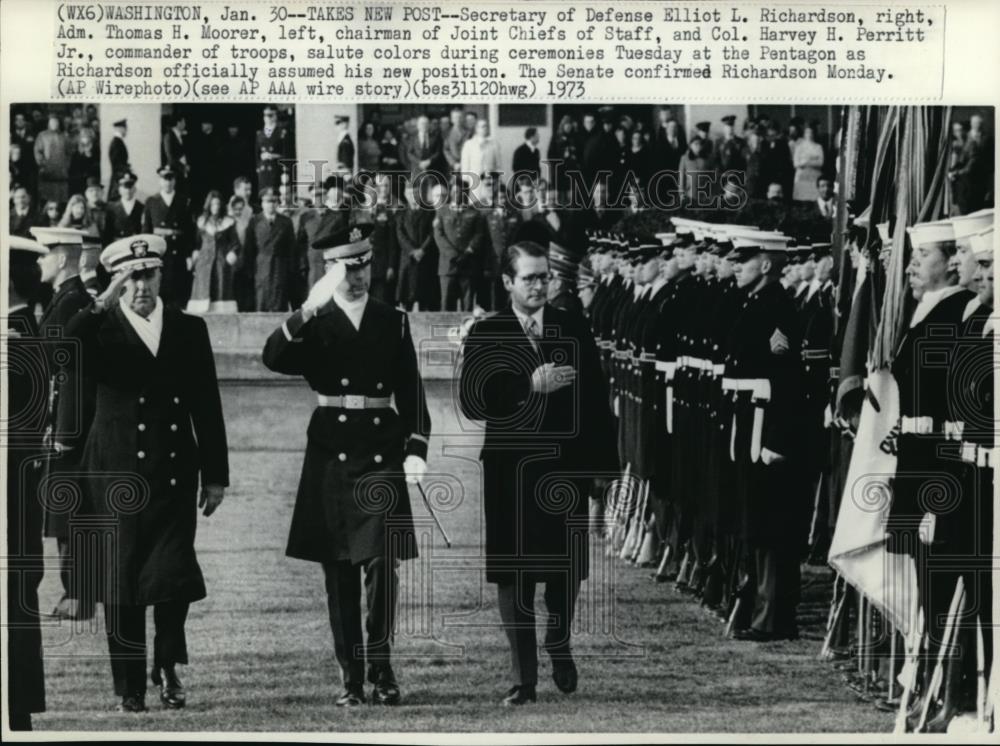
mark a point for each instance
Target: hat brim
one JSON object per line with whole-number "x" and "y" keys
{"x": 132, "y": 265}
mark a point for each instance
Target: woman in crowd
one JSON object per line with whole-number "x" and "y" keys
{"x": 369, "y": 148}
{"x": 52, "y": 214}
{"x": 215, "y": 260}
{"x": 808, "y": 161}
{"x": 78, "y": 215}
{"x": 694, "y": 162}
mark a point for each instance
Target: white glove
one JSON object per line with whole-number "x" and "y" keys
{"x": 231, "y": 258}
{"x": 322, "y": 291}
{"x": 414, "y": 468}
{"x": 770, "y": 457}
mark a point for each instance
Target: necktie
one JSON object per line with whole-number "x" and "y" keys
{"x": 533, "y": 332}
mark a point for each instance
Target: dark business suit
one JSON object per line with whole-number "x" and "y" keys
{"x": 539, "y": 457}
{"x": 527, "y": 160}
{"x": 430, "y": 150}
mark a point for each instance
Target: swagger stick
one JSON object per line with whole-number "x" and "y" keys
{"x": 437, "y": 522}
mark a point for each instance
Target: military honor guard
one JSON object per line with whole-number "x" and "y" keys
{"x": 271, "y": 146}
{"x": 562, "y": 284}
{"x": 532, "y": 373}
{"x": 126, "y": 211}
{"x": 60, "y": 268}
{"x": 168, "y": 216}
{"x": 352, "y": 512}
{"x": 762, "y": 377}
{"x": 118, "y": 156}
{"x": 147, "y": 385}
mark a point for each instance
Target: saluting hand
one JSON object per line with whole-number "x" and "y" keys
{"x": 211, "y": 498}
{"x": 111, "y": 294}
{"x": 550, "y": 377}
{"x": 770, "y": 457}
{"x": 322, "y": 291}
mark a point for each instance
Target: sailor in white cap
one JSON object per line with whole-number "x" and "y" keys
{"x": 352, "y": 512}
{"x": 927, "y": 425}
{"x": 60, "y": 268}
{"x": 148, "y": 381}
{"x": 965, "y": 227}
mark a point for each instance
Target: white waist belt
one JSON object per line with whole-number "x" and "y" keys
{"x": 354, "y": 401}
{"x": 953, "y": 430}
{"x": 760, "y": 387}
{"x": 667, "y": 367}
{"x": 974, "y": 453}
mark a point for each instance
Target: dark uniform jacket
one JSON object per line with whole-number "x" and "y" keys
{"x": 540, "y": 451}
{"x": 67, "y": 301}
{"x": 768, "y": 415}
{"x": 315, "y": 223}
{"x": 120, "y": 224}
{"x": 352, "y": 494}
{"x": 269, "y": 171}
{"x": 27, "y": 384}
{"x": 527, "y": 160}
{"x": 118, "y": 156}
{"x": 921, "y": 370}
{"x": 155, "y": 429}
{"x": 174, "y": 224}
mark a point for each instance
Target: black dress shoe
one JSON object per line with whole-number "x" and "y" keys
{"x": 172, "y": 693}
{"x": 386, "y": 691}
{"x": 565, "y": 676}
{"x": 352, "y": 697}
{"x": 520, "y": 694}
{"x": 133, "y": 703}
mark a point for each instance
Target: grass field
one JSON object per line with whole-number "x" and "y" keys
{"x": 262, "y": 656}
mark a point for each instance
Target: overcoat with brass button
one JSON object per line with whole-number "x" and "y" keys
{"x": 352, "y": 500}
{"x": 155, "y": 427}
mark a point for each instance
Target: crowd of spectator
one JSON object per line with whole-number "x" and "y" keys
{"x": 239, "y": 232}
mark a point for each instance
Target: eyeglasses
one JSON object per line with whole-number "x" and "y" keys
{"x": 541, "y": 278}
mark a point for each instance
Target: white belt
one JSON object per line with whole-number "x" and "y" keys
{"x": 974, "y": 453}
{"x": 665, "y": 366}
{"x": 761, "y": 387}
{"x": 719, "y": 369}
{"x": 761, "y": 391}
{"x": 916, "y": 425}
{"x": 953, "y": 430}
{"x": 354, "y": 401}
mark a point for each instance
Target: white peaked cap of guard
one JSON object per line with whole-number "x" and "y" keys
{"x": 57, "y": 236}
{"x": 982, "y": 244}
{"x": 19, "y": 243}
{"x": 974, "y": 222}
{"x": 934, "y": 232}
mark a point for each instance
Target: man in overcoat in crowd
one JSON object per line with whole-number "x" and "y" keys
{"x": 352, "y": 512}
{"x": 533, "y": 373}
{"x": 155, "y": 431}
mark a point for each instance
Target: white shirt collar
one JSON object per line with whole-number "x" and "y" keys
{"x": 929, "y": 300}
{"x": 658, "y": 284}
{"x": 970, "y": 308}
{"x": 813, "y": 287}
{"x": 149, "y": 328}
{"x": 18, "y": 307}
{"x": 127, "y": 205}
{"x": 353, "y": 309}
{"x": 523, "y": 317}
{"x": 168, "y": 199}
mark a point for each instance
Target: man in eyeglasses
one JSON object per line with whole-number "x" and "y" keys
{"x": 533, "y": 373}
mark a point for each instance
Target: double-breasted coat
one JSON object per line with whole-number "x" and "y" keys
{"x": 273, "y": 143}
{"x": 121, "y": 223}
{"x": 214, "y": 276}
{"x": 541, "y": 450}
{"x": 156, "y": 429}
{"x": 352, "y": 498}
{"x": 173, "y": 223}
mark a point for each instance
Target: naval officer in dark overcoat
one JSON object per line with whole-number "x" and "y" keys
{"x": 152, "y": 414}
{"x": 352, "y": 512}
